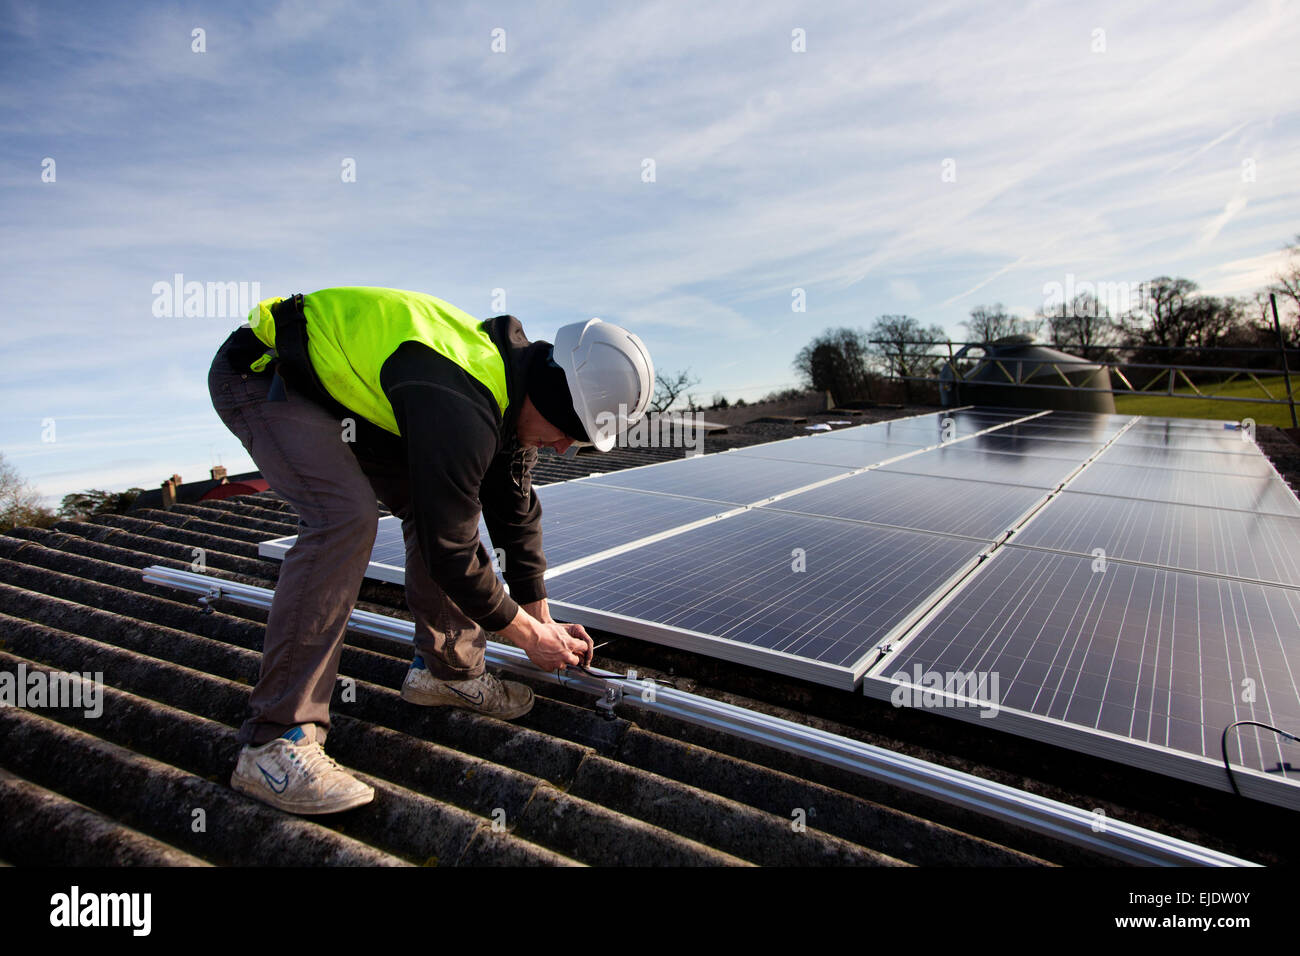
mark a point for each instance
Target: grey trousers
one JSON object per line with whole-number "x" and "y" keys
{"x": 298, "y": 447}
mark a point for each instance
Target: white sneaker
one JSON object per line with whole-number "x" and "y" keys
{"x": 294, "y": 774}
{"x": 483, "y": 695}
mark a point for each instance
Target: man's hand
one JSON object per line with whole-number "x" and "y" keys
{"x": 549, "y": 645}
{"x": 577, "y": 631}
{"x": 542, "y": 612}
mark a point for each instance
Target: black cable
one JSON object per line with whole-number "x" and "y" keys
{"x": 1223, "y": 744}
{"x": 586, "y": 669}
{"x": 663, "y": 682}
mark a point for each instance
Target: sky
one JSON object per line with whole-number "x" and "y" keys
{"x": 693, "y": 171}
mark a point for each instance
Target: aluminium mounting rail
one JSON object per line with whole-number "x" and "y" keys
{"x": 1113, "y": 838}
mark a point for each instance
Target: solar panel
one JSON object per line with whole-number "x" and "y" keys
{"x": 1269, "y": 495}
{"x": 581, "y": 518}
{"x": 1189, "y": 440}
{"x": 576, "y": 523}
{"x": 1030, "y": 470}
{"x": 1111, "y": 423}
{"x": 1187, "y": 425}
{"x": 805, "y": 596}
{"x": 1213, "y": 440}
{"x": 1254, "y": 466}
{"x": 1242, "y": 544}
{"x": 822, "y": 451}
{"x": 723, "y": 477}
{"x": 387, "y": 555}
{"x": 905, "y": 433}
{"x": 1003, "y": 411}
{"x": 390, "y": 546}
{"x": 1064, "y": 433}
{"x": 932, "y": 428}
{"x": 1020, "y": 445}
{"x": 999, "y": 414}
{"x": 1134, "y": 663}
{"x": 971, "y": 422}
{"x": 1115, "y": 419}
{"x": 946, "y": 505}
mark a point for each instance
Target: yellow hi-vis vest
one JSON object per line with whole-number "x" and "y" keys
{"x": 352, "y": 331}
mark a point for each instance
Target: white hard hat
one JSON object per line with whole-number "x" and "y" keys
{"x": 610, "y": 377}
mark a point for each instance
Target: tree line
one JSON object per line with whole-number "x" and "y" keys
{"x": 1168, "y": 321}
{"x": 20, "y": 502}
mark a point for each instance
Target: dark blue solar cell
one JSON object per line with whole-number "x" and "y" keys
{"x": 958, "y": 460}
{"x": 1260, "y": 547}
{"x": 1185, "y": 439}
{"x": 581, "y": 518}
{"x": 1014, "y": 444}
{"x": 1269, "y": 495}
{"x": 802, "y": 595}
{"x": 918, "y": 501}
{"x": 1158, "y": 656}
{"x": 1147, "y": 456}
{"x": 723, "y": 477}
{"x": 823, "y": 451}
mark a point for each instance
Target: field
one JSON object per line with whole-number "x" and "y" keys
{"x": 1208, "y": 408}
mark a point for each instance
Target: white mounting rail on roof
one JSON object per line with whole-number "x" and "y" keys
{"x": 1069, "y": 824}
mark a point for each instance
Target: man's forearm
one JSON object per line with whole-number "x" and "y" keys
{"x": 539, "y": 610}
{"x": 549, "y": 645}
{"x": 522, "y": 629}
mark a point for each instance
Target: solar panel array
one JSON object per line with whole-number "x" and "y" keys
{"x": 836, "y": 543}
{"x": 1166, "y": 659}
{"x": 1153, "y": 601}
{"x": 960, "y": 542}
{"x": 804, "y": 595}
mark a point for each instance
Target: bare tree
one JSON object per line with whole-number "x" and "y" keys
{"x": 1286, "y": 281}
{"x": 904, "y": 348}
{"x": 1082, "y": 326}
{"x": 1174, "y": 315}
{"x": 669, "y": 387}
{"x": 989, "y": 323}
{"x": 1260, "y": 309}
{"x": 1286, "y": 286}
{"x": 20, "y": 503}
{"x": 83, "y": 504}
{"x": 1163, "y": 316}
{"x": 837, "y": 361}
{"x": 1213, "y": 320}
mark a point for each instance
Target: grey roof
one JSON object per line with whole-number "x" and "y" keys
{"x": 573, "y": 786}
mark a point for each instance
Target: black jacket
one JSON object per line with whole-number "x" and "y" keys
{"x": 460, "y": 462}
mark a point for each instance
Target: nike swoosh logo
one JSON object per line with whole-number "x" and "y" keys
{"x": 476, "y": 699}
{"x": 276, "y": 785}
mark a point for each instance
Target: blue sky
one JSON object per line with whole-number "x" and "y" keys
{"x": 1113, "y": 156}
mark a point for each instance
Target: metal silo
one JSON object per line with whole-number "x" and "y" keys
{"x": 1001, "y": 374}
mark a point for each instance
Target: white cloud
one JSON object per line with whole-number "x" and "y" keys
{"x": 904, "y": 290}
{"x": 1243, "y": 276}
{"x": 776, "y": 170}
{"x": 1215, "y": 225}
